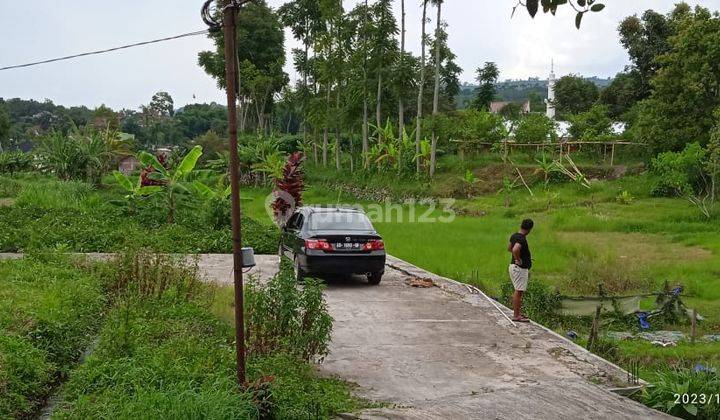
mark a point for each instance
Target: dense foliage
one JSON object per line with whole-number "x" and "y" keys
{"x": 686, "y": 393}
{"x": 49, "y": 311}
{"x": 535, "y": 128}
{"x": 574, "y": 94}
{"x": 684, "y": 85}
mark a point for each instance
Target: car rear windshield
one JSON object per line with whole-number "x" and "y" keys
{"x": 339, "y": 221}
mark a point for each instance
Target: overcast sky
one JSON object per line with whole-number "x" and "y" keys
{"x": 480, "y": 30}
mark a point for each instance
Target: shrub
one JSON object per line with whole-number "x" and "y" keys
{"x": 284, "y": 319}
{"x": 535, "y": 128}
{"x": 592, "y": 125}
{"x": 624, "y": 197}
{"x": 84, "y": 154}
{"x": 679, "y": 173}
{"x": 540, "y": 302}
{"x": 689, "y": 384}
{"x": 14, "y": 162}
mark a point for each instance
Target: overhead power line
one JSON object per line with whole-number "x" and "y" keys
{"x": 138, "y": 44}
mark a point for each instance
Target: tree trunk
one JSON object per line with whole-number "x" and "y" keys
{"x": 337, "y": 129}
{"x": 436, "y": 97}
{"x": 378, "y": 106}
{"x": 305, "y": 91}
{"x": 326, "y": 129}
{"x": 378, "y": 109}
{"x": 351, "y": 151}
{"x": 418, "y": 120}
{"x": 365, "y": 141}
{"x": 401, "y": 104}
{"x": 315, "y": 148}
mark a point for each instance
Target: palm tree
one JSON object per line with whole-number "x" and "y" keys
{"x": 418, "y": 128}
{"x": 436, "y": 97}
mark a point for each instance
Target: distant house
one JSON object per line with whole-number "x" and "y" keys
{"x": 129, "y": 164}
{"x": 497, "y": 106}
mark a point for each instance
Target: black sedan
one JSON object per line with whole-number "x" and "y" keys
{"x": 333, "y": 241}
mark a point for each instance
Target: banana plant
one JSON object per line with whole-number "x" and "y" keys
{"x": 215, "y": 200}
{"x": 134, "y": 191}
{"x": 509, "y": 185}
{"x": 174, "y": 179}
{"x": 425, "y": 152}
{"x": 271, "y": 165}
{"x": 546, "y": 167}
{"x": 469, "y": 180}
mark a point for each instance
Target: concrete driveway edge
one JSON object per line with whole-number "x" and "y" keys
{"x": 461, "y": 289}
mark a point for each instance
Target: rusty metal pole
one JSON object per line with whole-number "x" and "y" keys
{"x": 229, "y": 13}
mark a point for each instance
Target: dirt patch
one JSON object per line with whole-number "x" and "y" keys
{"x": 6, "y": 202}
{"x": 418, "y": 282}
{"x": 638, "y": 248}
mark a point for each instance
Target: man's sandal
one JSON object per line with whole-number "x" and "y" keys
{"x": 521, "y": 319}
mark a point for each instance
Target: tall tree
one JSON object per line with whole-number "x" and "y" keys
{"x": 574, "y": 94}
{"x": 436, "y": 94}
{"x": 487, "y": 77}
{"x": 645, "y": 39}
{"x": 260, "y": 55}
{"x": 4, "y": 127}
{"x": 303, "y": 19}
{"x": 401, "y": 93}
{"x": 365, "y": 35}
{"x": 624, "y": 92}
{"x": 384, "y": 49}
{"x": 686, "y": 87}
{"x": 421, "y": 86}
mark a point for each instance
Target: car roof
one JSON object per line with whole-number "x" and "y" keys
{"x": 331, "y": 209}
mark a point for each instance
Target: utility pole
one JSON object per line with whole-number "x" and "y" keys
{"x": 229, "y": 13}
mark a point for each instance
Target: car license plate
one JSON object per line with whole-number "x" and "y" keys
{"x": 347, "y": 245}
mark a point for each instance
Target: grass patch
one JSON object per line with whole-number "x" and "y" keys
{"x": 164, "y": 353}
{"x": 71, "y": 216}
{"x": 49, "y": 312}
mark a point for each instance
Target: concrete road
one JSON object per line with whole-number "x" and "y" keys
{"x": 446, "y": 353}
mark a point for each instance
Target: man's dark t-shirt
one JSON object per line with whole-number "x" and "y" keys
{"x": 524, "y": 252}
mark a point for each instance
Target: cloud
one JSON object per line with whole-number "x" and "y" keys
{"x": 480, "y": 30}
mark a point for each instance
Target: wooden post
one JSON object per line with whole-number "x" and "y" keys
{"x": 612, "y": 155}
{"x": 594, "y": 329}
{"x": 229, "y": 14}
{"x": 693, "y": 330}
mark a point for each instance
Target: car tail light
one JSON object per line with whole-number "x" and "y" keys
{"x": 374, "y": 245}
{"x": 320, "y": 244}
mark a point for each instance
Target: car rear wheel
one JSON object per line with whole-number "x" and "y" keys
{"x": 298, "y": 272}
{"x": 374, "y": 278}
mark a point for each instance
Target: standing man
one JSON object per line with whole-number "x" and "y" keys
{"x": 520, "y": 265}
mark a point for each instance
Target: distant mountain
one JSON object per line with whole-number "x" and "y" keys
{"x": 519, "y": 90}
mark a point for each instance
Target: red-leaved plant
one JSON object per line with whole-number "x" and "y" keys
{"x": 288, "y": 189}
{"x": 145, "y": 179}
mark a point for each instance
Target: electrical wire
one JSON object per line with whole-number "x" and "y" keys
{"x": 138, "y": 44}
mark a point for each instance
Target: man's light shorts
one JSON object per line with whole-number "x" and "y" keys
{"x": 519, "y": 277}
